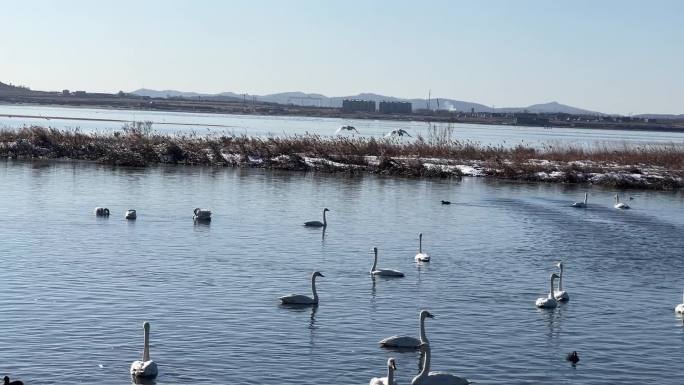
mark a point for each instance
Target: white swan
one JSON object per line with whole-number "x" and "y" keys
{"x": 406, "y": 342}
{"x": 550, "y": 301}
{"x": 680, "y": 308}
{"x": 318, "y": 223}
{"x": 201, "y": 215}
{"x": 131, "y": 214}
{"x": 298, "y": 299}
{"x": 581, "y": 205}
{"x": 399, "y": 132}
{"x": 421, "y": 257}
{"x": 346, "y": 128}
{"x": 101, "y": 211}
{"x": 389, "y": 380}
{"x": 145, "y": 368}
{"x": 620, "y": 205}
{"x": 561, "y": 294}
{"x": 426, "y": 377}
{"x": 383, "y": 272}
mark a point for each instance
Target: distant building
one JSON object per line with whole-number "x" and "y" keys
{"x": 530, "y": 119}
{"x": 356, "y": 105}
{"x": 395, "y": 107}
{"x": 66, "y": 93}
{"x": 79, "y": 93}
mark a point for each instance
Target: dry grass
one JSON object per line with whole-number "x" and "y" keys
{"x": 138, "y": 146}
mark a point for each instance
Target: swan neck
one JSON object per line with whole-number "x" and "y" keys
{"x": 146, "y": 348}
{"x": 325, "y": 223}
{"x": 420, "y": 243}
{"x": 560, "y": 280}
{"x": 375, "y": 261}
{"x": 423, "y": 336}
{"x": 390, "y": 375}
{"x": 551, "y": 294}
{"x": 585, "y": 198}
{"x": 313, "y": 288}
{"x": 426, "y": 362}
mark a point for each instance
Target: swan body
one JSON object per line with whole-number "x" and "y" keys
{"x": 560, "y": 294}
{"x": 383, "y": 272}
{"x": 299, "y": 299}
{"x": 573, "y": 357}
{"x": 426, "y": 377}
{"x": 620, "y": 205}
{"x": 131, "y": 214}
{"x": 101, "y": 211}
{"x": 399, "y": 132}
{"x": 421, "y": 257}
{"x": 318, "y": 223}
{"x": 8, "y": 382}
{"x": 549, "y": 302}
{"x": 446, "y": 202}
{"x": 145, "y": 368}
{"x": 405, "y": 342}
{"x": 201, "y": 215}
{"x": 346, "y": 128}
{"x": 389, "y": 380}
{"x": 680, "y": 308}
{"x": 581, "y": 205}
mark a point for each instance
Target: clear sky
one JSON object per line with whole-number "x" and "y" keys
{"x": 614, "y": 56}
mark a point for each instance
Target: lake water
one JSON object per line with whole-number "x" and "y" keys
{"x": 255, "y": 125}
{"x": 76, "y": 288}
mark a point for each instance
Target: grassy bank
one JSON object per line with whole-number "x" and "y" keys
{"x": 436, "y": 155}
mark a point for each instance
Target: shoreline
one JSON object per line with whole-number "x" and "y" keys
{"x": 656, "y": 167}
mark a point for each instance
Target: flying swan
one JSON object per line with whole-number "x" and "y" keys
{"x": 145, "y": 368}
{"x": 405, "y": 342}
{"x": 581, "y": 205}
{"x": 426, "y": 377}
{"x": 561, "y": 294}
{"x": 383, "y": 272}
{"x": 318, "y": 223}
{"x": 346, "y": 128}
{"x": 550, "y": 301}
{"x": 298, "y": 299}
{"x": 389, "y": 380}
{"x": 421, "y": 257}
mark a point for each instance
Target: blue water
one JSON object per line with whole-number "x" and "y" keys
{"x": 255, "y": 125}
{"x": 76, "y": 288}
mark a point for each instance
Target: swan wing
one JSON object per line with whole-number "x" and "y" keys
{"x": 388, "y": 273}
{"x": 144, "y": 368}
{"x": 400, "y": 342}
{"x": 422, "y": 257}
{"x": 296, "y": 299}
{"x": 378, "y": 381}
{"x": 441, "y": 378}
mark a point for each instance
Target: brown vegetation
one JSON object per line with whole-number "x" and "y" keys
{"x": 437, "y": 155}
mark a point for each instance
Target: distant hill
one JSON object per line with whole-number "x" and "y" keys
{"x": 11, "y": 88}
{"x": 319, "y": 100}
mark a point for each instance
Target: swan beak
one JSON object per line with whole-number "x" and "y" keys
{"x": 321, "y": 275}
{"x": 394, "y": 366}
{"x": 430, "y": 315}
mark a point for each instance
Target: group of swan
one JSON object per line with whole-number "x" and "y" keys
{"x": 555, "y": 296}
{"x": 618, "y": 205}
{"x": 101, "y": 211}
{"x": 199, "y": 214}
{"x": 318, "y": 223}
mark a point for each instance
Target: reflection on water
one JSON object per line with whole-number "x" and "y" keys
{"x": 75, "y": 287}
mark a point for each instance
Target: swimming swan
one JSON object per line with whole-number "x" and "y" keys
{"x": 620, "y": 205}
{"x": 15, "y": 382}
{"x": 145, "y": 368}
{"x": 680, "y": 308}
{"x": 426, "y": 377}
{"x": 298, "y": 299}
{"x": 561, "y": 294}
{"x": 405, "y": 342}
{"x": 389, "y": 380}
{"x": 318, "y": 223}
{"x": 101, "y": 211}
{"x": 383, "y": 272}
{"x": 550, "y": 301}
{"x": 131, "y": 214}
{"x": 421, "y": 257}
{"x": 201, "y": 215}
{"x": 581, "y": 205}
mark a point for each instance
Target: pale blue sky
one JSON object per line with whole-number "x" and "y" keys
{"x": 613, "y": 56}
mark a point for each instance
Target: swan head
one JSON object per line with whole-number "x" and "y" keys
{"x": 146, "y": 326}
{"x": 317, "y": 274}
{"x": 426, "y": 314}
{"x": 391, "y": 364}
{"x": 560, "y": 264}
{"x": 375, "y": 250}
{"x": 420, "y": 235}
{"x": 197, "y": 210}
{"x": 555, "y": 276}
{"x": 325, "y": 209}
